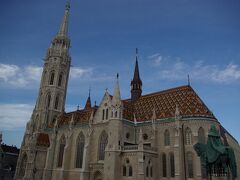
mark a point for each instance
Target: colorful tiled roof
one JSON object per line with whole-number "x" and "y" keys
{"x": 79, "y": 116}
{"x": 164, "y": 103}
{"x": 43, "y": 140}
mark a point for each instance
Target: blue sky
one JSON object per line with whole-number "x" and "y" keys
{"x": 175, "y": 38}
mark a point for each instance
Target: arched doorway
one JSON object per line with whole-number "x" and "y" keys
{"x": 98, "y": 176}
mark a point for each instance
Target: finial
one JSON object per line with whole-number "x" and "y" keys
{"x": 188, "y": 80}
{"x": 89, "y": 91}
{"x": 78, "y": 107}
{"x": 67, "y": 5}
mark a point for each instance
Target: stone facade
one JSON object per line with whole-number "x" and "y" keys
{"x": 146, "y": 137}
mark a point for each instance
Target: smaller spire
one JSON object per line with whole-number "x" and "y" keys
{"x": 88, "y": 103}
{"x": 188, "y": 80}
{"x": 116, "y": 96}
{"x": 136, "y": 83}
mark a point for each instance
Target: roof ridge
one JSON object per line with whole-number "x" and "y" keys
{"x": 163, "y": 91}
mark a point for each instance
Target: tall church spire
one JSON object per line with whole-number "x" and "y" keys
{"x": 136, "y": 83}
{"x": 63, "y": 31}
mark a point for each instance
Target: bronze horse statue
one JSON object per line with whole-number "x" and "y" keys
{"x": 215, "y": 157}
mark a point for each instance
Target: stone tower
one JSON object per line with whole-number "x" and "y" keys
{"x": 136, "y": 83}
{"x": 53, "y": 87}
{"x": 50, "y": 102}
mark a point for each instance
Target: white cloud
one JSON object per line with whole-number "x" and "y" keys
{"x": 177, "y": 69}
{"x": 157, "y": 59}
{"x": 14, "y": 76}
{"x": 14, "y": 116}
{"x": 78, "y": 72}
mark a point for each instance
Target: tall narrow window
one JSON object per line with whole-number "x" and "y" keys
{"x": 190, "y": 165}
{"x": 201, "y": 136}
{"x": 23, "y": 166}
{"x": 166, "y": 138}
{"x": 164, "y": 165}
{"x": 51, "y": 78}
{"x": 188, "y": 136}
{"x": 124, "y": 170}
{"x": 60, "y": 80}
{"x": 151, "y": 171}
{"x": 102, "y": 145}
{"x": 116, "y": 114}
{"x": 106, "y": 114}
{"x": 147, "y": 171}
{"x": 80, "y": 150}
{"x": 48, "y": 100}
{"x": 130, "y": 173}
{"x": 172, "y": 166}
{"x": 61, "y": 151}
{"x": 56, "y": 102}
{"x": 103, "y": 114}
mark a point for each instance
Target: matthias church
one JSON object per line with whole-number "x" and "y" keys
{"x": 145, "y": 137}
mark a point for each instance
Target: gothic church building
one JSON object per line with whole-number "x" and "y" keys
{"x": 145, "y": 137}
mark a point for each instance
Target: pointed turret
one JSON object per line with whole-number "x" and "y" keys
{"x": 136, "y": 83}
{"x": 88, "y": 104}
{"x": 116, "y": 96}
{"x": 63, "y": 31}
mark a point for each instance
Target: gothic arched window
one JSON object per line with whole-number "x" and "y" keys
{"x": 147, "y": 171}
{"x": 172, "y": 166}
{"x": 60, "y": 80}
{"x": 80, "y": 150}
{"x": 23, "y": 166}
{"x": 61, "y": 151}
{"x": 188, "y": 136}
{"x": 102, "y": 145}
{"x": 56, "y": 102}
{"x": 201, "y": 135}
{"x": 106, "y": 114}
{"x": 124, "y": 170}
{"x": 103, "y": 114}
{"x": 48, "y": 100}
{"x": 130, "y": 171}
{"x": 166, "y": 138}
{"x": 51, "y": 81}
{"x": 189, "y": 165}
{"x": 164, "y": 165}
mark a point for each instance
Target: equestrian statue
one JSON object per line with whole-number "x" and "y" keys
{"x": 216, "y": 158}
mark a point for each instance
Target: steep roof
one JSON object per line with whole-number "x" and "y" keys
{"x": 164, "y": 103}
{"x": 79, "y": 116}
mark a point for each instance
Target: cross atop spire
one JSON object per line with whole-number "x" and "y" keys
{"x": 63, "y": 31}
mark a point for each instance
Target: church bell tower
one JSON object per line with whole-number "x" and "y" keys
{"x": 52, "y": 93}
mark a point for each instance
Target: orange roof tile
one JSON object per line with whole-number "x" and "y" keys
{"x": 79, "y": 116}
{"x": 165, "y": 102}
